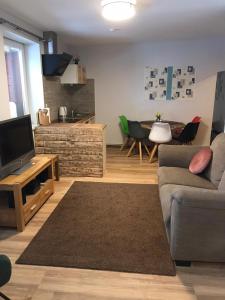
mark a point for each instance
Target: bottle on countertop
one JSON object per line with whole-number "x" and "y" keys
{"x": 48, "y": 113}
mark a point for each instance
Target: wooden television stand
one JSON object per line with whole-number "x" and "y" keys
{"x": 17, "y": 206}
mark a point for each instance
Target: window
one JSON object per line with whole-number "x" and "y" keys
{"x": 16, "y": 74}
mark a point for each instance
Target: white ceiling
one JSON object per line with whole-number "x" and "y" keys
{"x": 80, "y": 21}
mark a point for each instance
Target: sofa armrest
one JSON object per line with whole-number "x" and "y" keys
{"x": 177, "y": 155}
{"x": 200, "y": 198}
{"x": 197, "y": 229}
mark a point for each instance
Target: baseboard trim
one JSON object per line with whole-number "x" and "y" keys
{"x": 183, "y": 263}
{"x": 114, "y": 145}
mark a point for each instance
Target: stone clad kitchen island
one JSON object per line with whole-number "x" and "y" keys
{"x": 81, "y": 148}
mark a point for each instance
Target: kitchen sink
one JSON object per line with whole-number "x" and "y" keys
{"x": 80, "y": 115}
{"x": 76, "y": 117}
{"x": 73, "y": 119}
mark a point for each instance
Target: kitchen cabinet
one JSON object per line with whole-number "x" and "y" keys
{"x": 74, "y": 74}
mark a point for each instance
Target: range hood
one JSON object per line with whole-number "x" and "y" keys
{"x": 53, "y": 64}
{"x": 74, "y": 74}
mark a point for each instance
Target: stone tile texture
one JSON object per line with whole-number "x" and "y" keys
{"x": 81, "y": 149}
{"x": 79, "y": 98}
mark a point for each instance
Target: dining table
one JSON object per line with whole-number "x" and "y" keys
{"x": 176, "y": 127}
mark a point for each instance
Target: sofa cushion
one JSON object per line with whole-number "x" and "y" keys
{"x": 216, "y": 168}
{"x": 182, "y": 176}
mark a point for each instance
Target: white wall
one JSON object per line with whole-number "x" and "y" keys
{"x": 119, "y": 78}
{"x": 35, "y": 80}
{"x": 19, "y": 22}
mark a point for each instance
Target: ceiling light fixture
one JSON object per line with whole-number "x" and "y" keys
{"x": 114, "y": 29}
{"x": 118, "y": 10}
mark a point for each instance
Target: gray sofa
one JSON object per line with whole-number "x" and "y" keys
{"x": 193, "y": 205}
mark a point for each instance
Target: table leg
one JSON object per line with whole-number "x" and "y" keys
{"x": 18, "y": 200}
{"x": 57, "y": 170}
{"x": 140, "y": 151}
{"x": 153, "y": 152}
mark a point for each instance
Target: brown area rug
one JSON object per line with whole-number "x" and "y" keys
{"x": 104, "y": 226}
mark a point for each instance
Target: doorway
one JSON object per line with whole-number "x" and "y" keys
{"x": 218, "y": 124}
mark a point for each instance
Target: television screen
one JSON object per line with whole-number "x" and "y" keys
{"x": 16, "y": 144}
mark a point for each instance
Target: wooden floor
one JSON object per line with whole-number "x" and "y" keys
{"x": 201, "y": 281}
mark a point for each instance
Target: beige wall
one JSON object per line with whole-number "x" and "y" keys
{"x": 4, "y": 96}
{"x": 119, "y": 81}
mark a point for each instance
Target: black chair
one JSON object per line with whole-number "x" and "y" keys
{"x": 139, "y": 135}
{"x": 5, "y": 273}
{"x": 188, "y": 134}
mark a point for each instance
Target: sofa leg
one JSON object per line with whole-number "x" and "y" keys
{"x": 183, "y": 263}
{"x": 4, "y": 296}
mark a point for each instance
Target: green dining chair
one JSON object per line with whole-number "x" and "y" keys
{"x": 125, "y": 130}
{"x": 5, "y": 273}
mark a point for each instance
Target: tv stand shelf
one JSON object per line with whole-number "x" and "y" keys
{"x": 21, "y": 214}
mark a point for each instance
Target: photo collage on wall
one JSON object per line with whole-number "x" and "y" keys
{"x": 169, "y": 83}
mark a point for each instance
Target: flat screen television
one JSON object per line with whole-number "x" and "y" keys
{"x": 16, "y": 144}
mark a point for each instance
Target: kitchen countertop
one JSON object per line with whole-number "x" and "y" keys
{"x": 61, "y": 126}
{"x": 81, "y": 119}
{"x": 85, "y": 118}
{"x": 74, "y": 125}
{"x": 82, "y": 123}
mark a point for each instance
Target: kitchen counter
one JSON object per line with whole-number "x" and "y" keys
{"x": 79, "y": 118}
{"x": 81, "y": 147}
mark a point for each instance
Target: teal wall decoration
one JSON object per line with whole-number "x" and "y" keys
{"x": 169, "y": 83}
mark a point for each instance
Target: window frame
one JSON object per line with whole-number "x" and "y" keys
{"x": 18, "y": 45}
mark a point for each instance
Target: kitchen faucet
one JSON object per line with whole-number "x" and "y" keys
{"x": 73, "y": 111}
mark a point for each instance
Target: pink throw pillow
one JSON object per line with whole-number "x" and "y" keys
{"x": 200, "y": 161}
